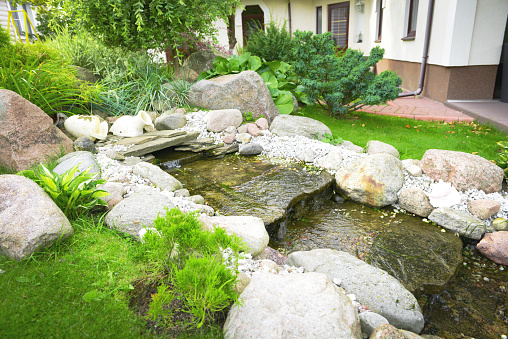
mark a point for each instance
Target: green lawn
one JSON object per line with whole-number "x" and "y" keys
{"x": 411, "y": 137}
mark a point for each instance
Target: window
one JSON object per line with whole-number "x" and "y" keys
{"x": 252, "y": 19}
{"x": 19, "y": 18}
{"x": 319, "y": 20}
{"x": 411, "y": 18}
{"x": 379, "y": 26}
{"x": 338, "y": 23}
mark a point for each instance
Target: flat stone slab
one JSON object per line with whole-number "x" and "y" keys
{"x": 136, "y": 140}
{"x": 158, "y": 144}
{"x": 460, "y": 222}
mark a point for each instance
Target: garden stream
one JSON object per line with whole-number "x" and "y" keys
{"x": 461, "y": 293}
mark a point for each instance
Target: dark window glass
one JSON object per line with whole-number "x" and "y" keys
{"x": 319, "y": 20}
{"x": 379, "y": 27}
{"x": 338, "y": 23}
{"x": 413, "y": 15}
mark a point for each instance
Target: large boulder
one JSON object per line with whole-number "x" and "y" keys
{"x": 27, "y": 134}
{"x": 373, "y": 180}
{"x": 373, "y": 287}
{"x": 83, "y": 159}
{"x": 460, "y": 222}
{"x": 138, "y": 211}
{"x": 463, "y": 170}
{"x": 29, "y": 219}
{"x": 292, "y": 306}
{"x": 495, "y": 247}
{"x": 250, "y": 229}
{"x": 245, "y": 91}
{"x": 290, "y": 125}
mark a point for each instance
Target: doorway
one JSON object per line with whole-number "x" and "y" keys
{"x": 338, "y": 23}
{"x": 253, "y": 19}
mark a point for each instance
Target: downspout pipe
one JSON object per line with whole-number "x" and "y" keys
{"x": 289, "y": 17}
{"x": 425, "y": 55}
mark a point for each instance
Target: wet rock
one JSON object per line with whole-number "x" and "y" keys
{"x": 292, "y": 306}
{"x": 84, "y": 144}
{"x": 253, "y": 130}
{"x": 464, "y": 171}
{"x": 27, "y": 134}
{"x": 245, "y": 91}
{"x": 157, "y": 176}
{"x": 219, "y": 120}
{"x": 243, "y": 137}
{"x": 370, "y": 321}
{"x": 375, "y": 147}
{"x": 137, "y": 211}
{"x": 494, "y": 246}
{"x": 460, "y": 222}
{"x": 250, "y": 149}
{"x": 483, "y": 208}
{"x": 331, "y": 161}
{"x": 414, "y": 200}
{"x": 373, "y": 180}
{"x": 249, "y": 229}
{"x": 289, "y": 125}
{"x": 170, "y": 122}
{"x": 29, "y": 219}
{"x": 262, "y": 123}
{"x": 306, "y": 155}
{"x": 372, "y": 286}
{"x": 387, "y": 331}
{"x": 81, "y": 158}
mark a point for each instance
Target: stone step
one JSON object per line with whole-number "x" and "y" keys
{"x": 158, "y": 144}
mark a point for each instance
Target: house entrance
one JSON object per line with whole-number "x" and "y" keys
{"x": 338, "y": 23}
{"x": 253, "y": 18}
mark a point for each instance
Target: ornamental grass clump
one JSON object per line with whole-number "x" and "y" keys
{"x": 198, "y": 281}
{"x": 341, "y": 81}
{"x": 273, "y": 44}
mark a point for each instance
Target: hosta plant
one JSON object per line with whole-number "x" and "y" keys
{"x": 74, "y": 193}
{"x": 503, "y": 157}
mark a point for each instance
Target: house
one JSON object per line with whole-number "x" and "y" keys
{"x": 18, "y": 18}
{"x": 465, "y": 37}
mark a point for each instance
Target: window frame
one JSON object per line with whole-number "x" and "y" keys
{"x": 411, "y": 13}
{"x": 18, "y": 18}
{"x": 340, "y": 5}
{"x": 319, "y": 19}
{"x": 379, "y": 21}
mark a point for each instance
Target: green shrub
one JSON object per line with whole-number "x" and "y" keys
{"x": 342, "y": 83}
{"x": 503, "y": 157}
{"x": 197, "y": 274}
{"x": 5, "y": 39}
{"x": 274, "y": 44}
{"x": 73, "y": 194}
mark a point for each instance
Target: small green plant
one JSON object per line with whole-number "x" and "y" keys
{"x": 330, "y": 139}
{"x": 274, "y": 44}
{"x": 503, "y": 157}
{"x": 342, "y": 83}
{"x": 75, "y": 194}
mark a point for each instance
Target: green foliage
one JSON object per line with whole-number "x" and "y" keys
{"x": 75, "y": 194}
{"x": 53, "y": 15}
{"x": 330, "y": 139}
{"x": 274, "y": 44}
{"x": 344, "y": 83}
{"x": 157, "y": 24}
{"x": 5, "y": 39}
{"x": 502, "y": 161}
{"x": 37, "y": 74}
{"x": 277, "y": 75}
{"x": 194, "y": 259}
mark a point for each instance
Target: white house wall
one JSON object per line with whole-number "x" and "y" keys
{"x": 3, "y": 14}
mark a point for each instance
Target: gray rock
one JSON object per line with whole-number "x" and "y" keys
{"x": 306, "y": 155}
{"x": 483, "y": 208}
{"x": 500, "y": 224}
{"x": 369, "y": 321}
{"x": 182, "y": 193}
{"x": 84, "y": 144}
{"x": 243, "y": 137}
{"x": 27, "y": 134}
{"x": 208, "y": 210}
{"x": 295, "y": 103}
{"x": 229, "y": 138}
{"x": 332, "y": 161}
{"x": 289, "y": 125}
{"x": 176, "y": 138}
{"x": 197, "y": 199}
{"x": 29, "y": 219}
{"x": 138, "y": 211}
{"x": 463, "y": 170}
{"x": 242, "y": 129}
{"x": 157, "y": 176}
{"x": 219, "y": 120}
{"x": 352, "y": 147}
{"x": 387, "y": 331}
{"x": 373, "y": 180}
{"x": 460, "y": 222}
{"x": 245, "y": 91}
{"x": 131, "y": 161}
{"x": 375, "y": 147}
{"x": 414, "y": 170}
{"x": 373, "y": 287}
{"x": 406, "y": 163}
{"x": 169, "y": 122}
{"x": 230, "y": 130}
{"x": 292, "y": 306}
{"x": 202, "y": 61}
{"x": 249, "y": 229}
{"x": 86, "y": 75}
{"x": 253, "y": 130}
{"x": 115, "y": 189}
{"x": 414, "y": 200}
{"x": 81, "y": 158}
{"x": 250, "y": 149}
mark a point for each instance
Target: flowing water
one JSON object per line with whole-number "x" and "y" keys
{"x": 422, "y": 256}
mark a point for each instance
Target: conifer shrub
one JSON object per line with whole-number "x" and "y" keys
{"x": 274, "y": 44}
{"x": 341, "y": 81}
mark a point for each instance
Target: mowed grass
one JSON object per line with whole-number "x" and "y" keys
{"x": 411, "y": 137}
{"x": 78, "y": 288}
